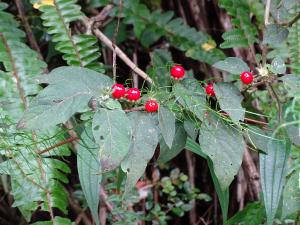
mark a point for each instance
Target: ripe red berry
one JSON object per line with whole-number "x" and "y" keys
{"x": 177, "y": 72}
{"x": 210, "y": 90}
{"x": 151, "y": 106}
{"x": 118, "y": 91}
{"x": 246, "y": 77}
{"x": 133, "y": 94}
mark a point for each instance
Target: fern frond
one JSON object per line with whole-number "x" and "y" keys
{"x": 294, "y": 41}
{"x": 20, "y": 63}
{"x": 78, "y": 50}
{"x": 158, "y": 24}
{"x": 247, "y": 32}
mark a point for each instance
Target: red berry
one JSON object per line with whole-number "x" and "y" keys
{"x": 177, "y": 72}
{"x": 118, "y": 91}
{"x": 133, "y": 94}
{"x": 151, "y": 106}
{"x": 210, "y": 90}
{"x": 246, "y": 77}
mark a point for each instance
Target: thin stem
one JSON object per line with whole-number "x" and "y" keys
{"x": 71, "y": 139}
{"x": 267, "y": 12}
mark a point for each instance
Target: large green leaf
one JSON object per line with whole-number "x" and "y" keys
{"x": 69, "y": 91}
{"x": 291, "y": 195}
{"x": 232, "y": 65}
{"x": 223, "y": 195}
{"x": 89, "y": 171}
{"x": 166, "y": 153}
{"x": 252, "y": 214}
{"x": 58, "y": 221}
{"x": 143, "y": 144}
{"x": 112, "y": 131}
{"x": 230, "y": 98}
{"x": 273, "y": 171}
{"x": 224, "y": 144}
{"x": 167, "y": 125}
{"x": 291, "y": 83}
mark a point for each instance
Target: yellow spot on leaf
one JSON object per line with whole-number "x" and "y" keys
{"x": 40, "y": 3}
{"x": 208, "y": 45}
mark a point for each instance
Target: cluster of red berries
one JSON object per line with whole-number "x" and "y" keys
{"x": 246, "y": 78}
{"x": 133, "y": 94}
{"x": 177, "y": 72}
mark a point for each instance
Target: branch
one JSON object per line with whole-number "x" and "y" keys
{"x": 141, "y": 108}
{"x": 71, "y": 139}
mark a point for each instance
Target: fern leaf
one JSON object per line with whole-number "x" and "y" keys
{"x": 294, "y": 41}
{"x": 77, "y": 50}
{"x": 247, "y": 32}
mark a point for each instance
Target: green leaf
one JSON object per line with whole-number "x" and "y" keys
{"x": 69, "y": 91}
{"x": 273, "y": 171}
{"x": 230, "y": 98}
{"x": 291, "y": 195}
{"x": 252, "y": 214}
{"x": 275, "y": 34}
{"x": 167, "y": 125}
{"x": 192, "y": 99}
{"x": 232, "y": 65}
{"x": 143, "y": 144}
{"x": 278, "y": 65}
{"x": 223, "y": 195}
{"x": 112, "y": 131}
{"x": 291, "y": 83}
{"x": 89, "y": 171}
{"x": 166, "y": 153}
{"x": 58, "y": 221}
{"x": 190, "y": 129}
{"x": 258, "y": 138}
{"x": 224, "y": 144}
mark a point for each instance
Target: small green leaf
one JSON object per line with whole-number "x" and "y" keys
{"x": 224, "y": 144}
{"x": 291, "y": 83}
{"x": 275, "y": 34}
{"x": 112, "y": 131}
{"x": 143, "y": 144}
{"x": 273, "y": 171}
{"x": 278, "y": 65}
{"x": 167, "y": 125}
{"x": 89, "y": 171}
{"x": 166, "y": 153}
{"x": 230, "y": 98}
{"x": 232, "y": 65}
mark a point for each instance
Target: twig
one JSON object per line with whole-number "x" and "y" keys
{"x": 251, "y": 174}
{"x": 71, "y": 139}
{"x": 141, "y": 108}
{"x": 191, "y": 171}
{"x": 248, "y": 120}
{"x": 114, "y": 43}
{"x": 121, "y": 55}
{"x": 31, "y": 38}
{"x": 79, "y": 211}
{"x": 267, "y": 12}
{"x": 108, "y": 205}
{"x": 277, "y": 100}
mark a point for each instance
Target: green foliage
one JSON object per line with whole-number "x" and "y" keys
{"x": 252, "y": 214}
{"x": 69, "y": 91}
{"x": 294, "y": 40}
{"x": 89, "y": 171}
{"x": 151, "y": 26}
{"x": 227, "y": 149}
{"x": 275, "y": 34}
{"x": 273, "y": 171}
{"x": 230, "y": 99}
{"x": 143, "y": 145}
{"x": 167, "y": 125}
{"x": 78, "y": 50}
{"x": 244, "y": 33}
{"x": 20, "y": 63}
{"x": 113, "y": 138}
{"x": 232, "y": 65}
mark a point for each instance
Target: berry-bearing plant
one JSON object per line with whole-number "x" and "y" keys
{"x": 92, "y": 135}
